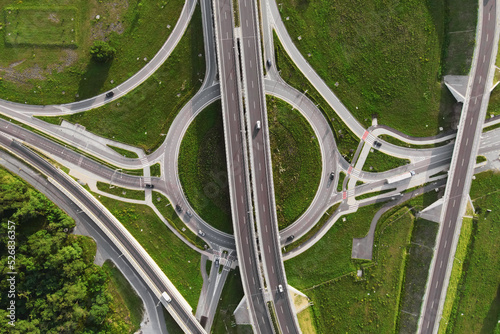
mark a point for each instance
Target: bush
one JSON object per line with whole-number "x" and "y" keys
{"x": 102, "y": 52}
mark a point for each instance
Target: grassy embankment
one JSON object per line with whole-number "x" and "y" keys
{"x": 420, "y": 253}
{"x": 476, "y": 305}
{"x": 180, "y": 263}
{"x": 231, "y": 296}
{"x": 129, "y": 305}
{"x": 140, "y": 117}
{"x": 165, "y": 207}
{"x": 343, "y": 301}
{"x": 46, "y": 55}
{"x": 383, "y": 61}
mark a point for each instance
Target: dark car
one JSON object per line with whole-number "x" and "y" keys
{"x": 178, "y": 208}
{"x": 332, "y": 176}
{"x": 377, "y": 144}
{"x": 150, "y": 186}
{"x": 268, "y": 63}
{"x": 290, "y": 238}
{"x": 109, "y": 94}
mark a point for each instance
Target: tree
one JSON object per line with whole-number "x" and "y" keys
{"x": 102, "y": 52}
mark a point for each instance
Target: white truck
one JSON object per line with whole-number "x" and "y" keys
{"x": 166, "y": 297}
{"x": 400, "y": 177}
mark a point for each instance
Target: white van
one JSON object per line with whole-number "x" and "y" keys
{"x": 257, "y": 125}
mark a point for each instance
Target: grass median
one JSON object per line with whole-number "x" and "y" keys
{"x": 379, "y": 58}
{"x": 46, "y": 58}
{"x": 144, "y": 115}
{"x": 121, "y": 192}
{"x": 381, "y": 162}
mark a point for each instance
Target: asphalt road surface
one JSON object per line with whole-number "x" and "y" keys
{"x": 260, "y": 155}
{"x": 234, "y": 131}
{"x": 473, "y": 124}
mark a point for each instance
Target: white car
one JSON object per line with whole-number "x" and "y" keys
{"x": 280, "y": 288}
{"x": 201, "y": 233}
{"x": 257, "y": 125}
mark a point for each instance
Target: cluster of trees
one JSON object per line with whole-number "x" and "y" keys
{"x": 102, "y": 52}
{"x": 58, "y": 288}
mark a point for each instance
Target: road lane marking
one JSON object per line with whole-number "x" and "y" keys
{"x": 240, "y": 178}
{"x": 252, "y": 83}
{"x": 467, "y": 142}
{"x": 449, "y": 224}
{"x": 445, "y": 243}
{"x": 454, "y": 202}
{"x": 253, "y": 280}
{"x": 254, "y": 104}
{"x": 441, "y": 265}
{"x": 258, "y": 146}
{"x": 246, "y": 22}
{"x": 266, "y": 228}
{"x": 463, "y": 161}
{"x": 484, "y": 58}
{"x": 225, "y": 15}
{"x": 487, "y": 37}
{"x": 480, "y": 78}
{"x": 232, "y": 96}
{"x": 241, "y": 199}
{"x": 458, "y": 183}
{"x": 260, "y": 166}
{"x": 261, "y": 187}
{"x": 281, "y": 309}
{"x": 272, "y": 268}
{"x": 471, "y": 121}
{"x": 268, "y": 249}
{"x": 264, "y": 208}
{"x": 247, "y": 240}
{"x": 437, "y": 284}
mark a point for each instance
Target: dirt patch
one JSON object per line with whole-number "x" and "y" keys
{"x": 110, "y": 19}
{"x": 53, "y": 18}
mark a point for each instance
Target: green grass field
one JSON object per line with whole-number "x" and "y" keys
{"x": 48, "y": 74}
{"x": 203, "y": 169}
{"x": 129, "y": 304}
{"x": 360, "y": 305}
{"x": 477, "y": 303}
{"x": 180, "y": 263}
{"x": 343, "y": 302}
{"x": 140, "y": 117}
{"x": 296, "y": 161}
{"x": 381, "y": 162}
{"x": 346, "y": 141}
{"x": 122, "y": 192}
{"x": 39, "y": 26}
{"x": 378, "y": 58}
{"x": 317, "y": 266}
